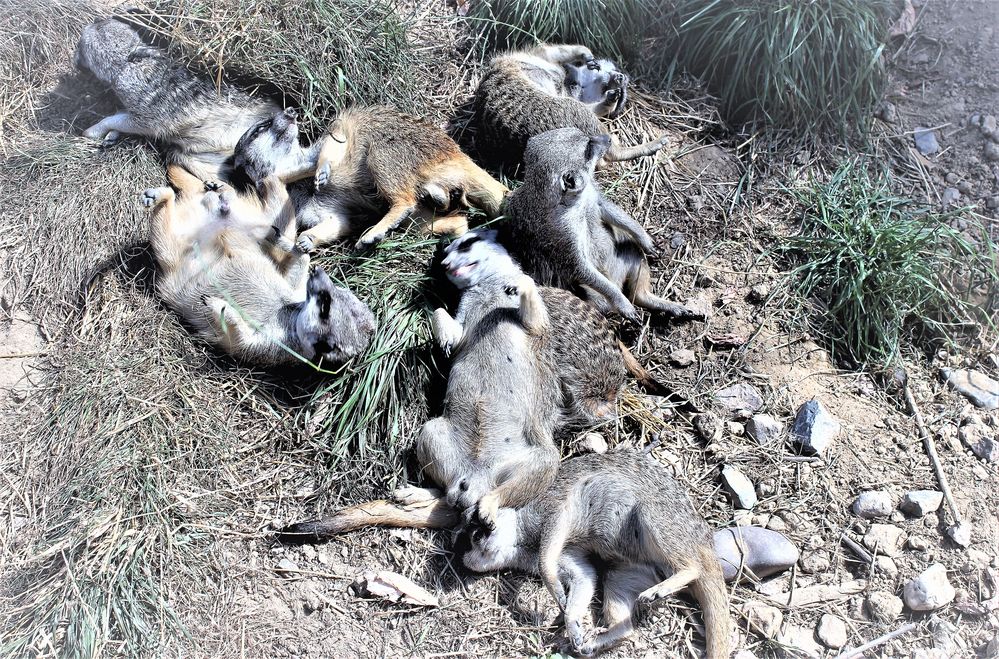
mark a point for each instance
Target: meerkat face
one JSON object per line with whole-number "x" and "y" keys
{"x": 107, "y": 46}
{"x": 261, "y": 147}
{"x": 562, "y": 162}
{"x": 599, "y": 84}
{"x": 494, "y": 550}
{"x": 473, "y": 256}
{"x": 332, "y": 325}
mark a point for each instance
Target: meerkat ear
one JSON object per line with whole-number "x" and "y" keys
{"x": 571, "y": 182}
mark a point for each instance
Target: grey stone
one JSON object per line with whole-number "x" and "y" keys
{"x": 873, "y": 504}
{"x": 682, "y": 358}
{"x": 883, "y": 606}
{"x": 740, "y": 397}
{"x": 930, "y": 590}
{"x": 741, "y": 488}
{"x": 950, "y": 197}
{"x": 918, "y": 543}
{"x": 977, "y": 387}
{"x": 708, "y": 426}
{"x": 678, "y": 240}
{"x": 695, "y": 202}
{"x": 988, "y": 125}
{"x": 919, "y": 502}
{"x": 759, "y": 293}
{"x": 764, "y": 429}
{"x": 886, "y": 564}
{"x": 764, "y": 552}
{"x": 764, "y": 619}
{"x": 815, "y": 562}
{"x": 593, "y": 442}
{"x": 887, "y": 112}
{"x": 992, "y": 203}
{"x": 831, "y": 630}
{"x": 287, "y": 565}
{"x": 952, "y": 178}
{"x": 960, "y": 533}
{"x": 991, "y": 151}
{"x": 965, "y": 187}
{"x": 802, "y": 640}
{"x": 735, "y": 428}
{"x": 886, "y": 538}
{"x": 981, "y": 439}
{"x": 926, "y": 141}
{"x": 814, "y": 427}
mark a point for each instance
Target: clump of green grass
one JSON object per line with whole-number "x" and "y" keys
{"x": 796, "y": 64}
{"x": 607, "y": 27}
{"x": 881, "y": 269}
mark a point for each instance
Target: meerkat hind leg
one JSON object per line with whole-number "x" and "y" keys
{"x": 673, "y": 584}
{"x": 581, "y": 580}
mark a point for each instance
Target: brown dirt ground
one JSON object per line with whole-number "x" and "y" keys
{"x": 244, "y": 606}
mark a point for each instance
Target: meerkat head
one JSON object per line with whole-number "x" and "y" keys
{"x": 265, "y": 144}
{"x": 598, "y": 84}
{"x": 475, "y": 256}
{"x": 561, "y": 162}
{"x": 495, "y": 549}
{"x": 106, "y": 47}
{"x": 332, "y": 325}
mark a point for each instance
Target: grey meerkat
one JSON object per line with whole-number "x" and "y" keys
{"x": 528, "y": 362}
{"x": 621, "y": 514}
{"x": 219, "y": 269}
{"x": 525, "y": 93}
{"x": 198, "y": 123}
{"x": 567, "y": 233}
{"x": 368, "y": 159}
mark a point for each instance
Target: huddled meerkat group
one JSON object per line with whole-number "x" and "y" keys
{"x": 532, "y": 350}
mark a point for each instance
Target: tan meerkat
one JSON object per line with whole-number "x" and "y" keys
{"x": 371, "y": 152}
{"x": 525, "y": 93}
{"x": 197, "y": 122}
{"x": 566, "y": 233}
{"x": 622, "y": 514}
{"x": 221, "y": 271}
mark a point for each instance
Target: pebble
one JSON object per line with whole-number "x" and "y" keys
{"x": 886, "y": 565}
{"x": 287, "y": 565}
{"x": 965, "y": 187}
{"x": 764, "y": 429}
{"x": 682, "y": 358}
{"x": 739, "y": 397}
{"x": 992, "y": 203}
{"x": 887, "y": 112}
{"x": 887, "y": 538}
{"x": 766, "y": 552}
{"x": 801, "y": 640}
{"x": 930, "y": 590}
{"x": 815, "y": 563}
{"x": 926, "y": 141}
{"x": 741, "y": 488}
{"x": 814, "y": 427}
{"x": 960, "y": 533}
{"x": 708, "y": 426}
{"x": 883, "y": 606}
{"x": 977, "y": 387}
{"x": 950, "y": 197}
{"x": 593, "y": 442}
{"x": 918, "y": 543}
{"x": 988, "y": 125}
{"x": 952, "y": 178}
{"x": 695, "y": 202}
{"x": 678, "y": 240}
{"x": 763, "y": 618}
{"x": 980, "y": 439}
{"x": 991, "y": 151}
{"x": 831, "y": 630}
{"x": 766, "y": 488}
{"x": 869, "y": 505}
{"x": 920, "y": 502}
{"x": 759, "y": 293}
{"x": 735, "y": 428}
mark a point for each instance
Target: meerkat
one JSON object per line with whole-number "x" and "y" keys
{"x": 621, "y": 513}
{"x": 221, "y": 269}
{"x": 566, "y": 233}
{"x": 371, "y": 154}
{"x": 525, "y": 93}
{"x": 197, "y": 122}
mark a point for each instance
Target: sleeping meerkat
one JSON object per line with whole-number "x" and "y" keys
{"x": 525, "y": 93}
{"x": 369, "y": 155}
{"x": 197, "y": 122}
{"x": 622, "y": 513}
{"x": 220, "y": 269}
{"x": 566, "y": 233}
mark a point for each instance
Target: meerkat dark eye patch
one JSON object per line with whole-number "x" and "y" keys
{"x": 467, "y": 244}
{"x": 325, "y": 301}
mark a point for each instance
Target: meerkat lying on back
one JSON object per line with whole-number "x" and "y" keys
{"x": 525, "y": 93}
{"x": 566, "y": 233}
{"x": 220, "y": 270}
{"x": 622, "y": 511}
{"x": 371, "y": 155}
{"x": 198, "y": 123}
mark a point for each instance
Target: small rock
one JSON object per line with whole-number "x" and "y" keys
{"x": 814, "y": 563}
{"x": 988, "y": 125}
{"x": 324, "y": 558}
{"x": 593, "y": 442}
{"x": 764, "y": 619}
{"x": 991, "y": 151}
{"x": 695, "y": 202}
{"x": 678, "y": 240}
{"x": 887, "y": 538}
{"x": 682, "y": 358}
{"x": 883, "y": 606}
{"x": 309, "y": 552}
{"x": 952, "y": 178}
{"x": 981, "y": 439}
{"x": 814, "y": 427}
{"x": 918, "y": 543}
{"x": 950, "y": 197}
{"x": 704, "y": 280}
{"x": 735, "y": 428}
{"x": 761, "y": 551}
{"x": 930, "y": 590}
{"x": 759, "y": 293}
{"x": 920, "y": 502}
{"x": 887, "y": 112}
{"x": 802, "y": 640}
{"x": 739, "y": 397}
{"x": 977, "y": 387}
{"x": 886, "y": 565}
{"x": 926, "y": 141}
{"x": 741, "y": 488}
{"x": 831, "y": 630}
{"x": 764, "y": 429}
{"x": 896, "y": 517}
{"x": 965, "y": 187}
{"x": 287, "y": 565}
{"x": 765, "y": 489}
{"x": 708, "y": 427}
{"x": 742, "y": 517}
{"x": 960, "y": 533}
{"x": 873, "y": 504}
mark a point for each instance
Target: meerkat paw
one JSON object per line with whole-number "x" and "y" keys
{"x": 681, "y": 312}
{"x": 369, "y": 239}
{"x": 628, "y": 311}
{"x": 323, "y": 175}
{"x": 446, "y": 330}
{"x": 410, "y": 495}
{"x": 487, "y": 511}
{"x": 153, "y": 196}
{"x": 305, "y": 244}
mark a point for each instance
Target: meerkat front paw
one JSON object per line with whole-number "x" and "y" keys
{"x": 152, "y": 196}
{"x": 305, "y": 244}
{"x": 410, "y": 494}
{"x": 369, "y": 239}
{"x": 628, "y": 311}
{"x": 446, "y": 330}
{"x": 322, "y": 175}
{"x": 487, "y": 511}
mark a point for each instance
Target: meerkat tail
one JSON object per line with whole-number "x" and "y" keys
{"x": 710, "y": 592}
{"x": 638, "y": 371}
{"x": 618, "y": 153}
{"x": 435, "y": 514}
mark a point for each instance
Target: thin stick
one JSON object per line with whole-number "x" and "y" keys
{"x": 857, "y": 652}
{"x": 931, "y": 451}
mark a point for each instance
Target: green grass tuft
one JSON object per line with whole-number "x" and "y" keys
{"x": 878, "y": 266}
